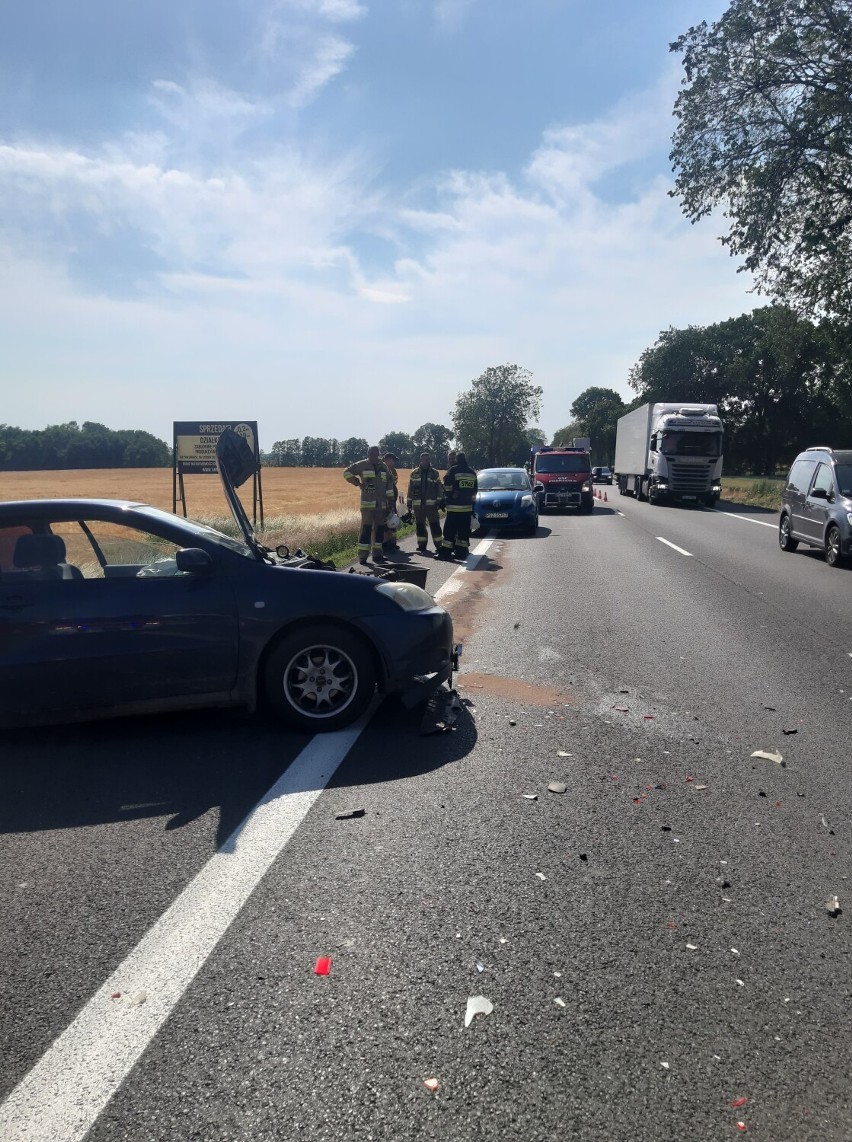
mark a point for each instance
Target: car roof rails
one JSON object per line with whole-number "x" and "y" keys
{"x": 819, "y": 448}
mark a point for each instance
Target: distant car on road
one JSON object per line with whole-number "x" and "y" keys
{"x": 109, "y": 607}
{"x": 506, "y": 499}
{"x": 601, "y": 475}
{"x": 817, "y": 504}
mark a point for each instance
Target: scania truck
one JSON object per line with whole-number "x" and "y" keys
{"x": 670, "y": 452}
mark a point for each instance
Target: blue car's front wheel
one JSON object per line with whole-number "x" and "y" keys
{"x": 321, "y": 678}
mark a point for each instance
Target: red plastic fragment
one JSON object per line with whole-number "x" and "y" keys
{"x": 741, "y": 1126}
{"x": 739, "y": 1102}
{"x": 323, "y": 965}
{"x": 636, "y": 801}
{"x": 670, "y": 925}
{"x": 689, "y": 779}
{"x": 650, "y": 717}
{"x": 116, "y": 995}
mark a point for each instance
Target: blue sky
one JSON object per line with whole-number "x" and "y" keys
{"x": 330, "y": 215}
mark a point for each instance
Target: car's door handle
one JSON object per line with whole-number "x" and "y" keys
{"x": 14, "y": 603}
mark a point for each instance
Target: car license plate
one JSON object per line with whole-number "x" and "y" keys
{"x": 496, "y": 515}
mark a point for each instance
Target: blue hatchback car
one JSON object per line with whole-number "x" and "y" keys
{"x": 506, "y": 499}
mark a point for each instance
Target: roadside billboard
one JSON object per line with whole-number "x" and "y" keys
{"x": 194, "y": 453}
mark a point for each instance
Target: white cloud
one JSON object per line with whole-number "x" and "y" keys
{"x": 569, "y": 270}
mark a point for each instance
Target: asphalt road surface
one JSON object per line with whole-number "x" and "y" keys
{"x": 654, "y": 942}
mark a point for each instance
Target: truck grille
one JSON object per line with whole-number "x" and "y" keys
{"x": 690, "y": 477}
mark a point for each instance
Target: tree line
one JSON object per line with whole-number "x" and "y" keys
{"x": 71, "y": 445}
{"x": 781, "y": 383}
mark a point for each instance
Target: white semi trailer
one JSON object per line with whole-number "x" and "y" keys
{"x": 670, "y": 452}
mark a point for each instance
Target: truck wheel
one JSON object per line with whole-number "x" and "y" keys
{"x": 318, "y": 679}
{"x": 785, "y": 540}
{"x": 641, "y": 491}
{"x": 833, "y": 556}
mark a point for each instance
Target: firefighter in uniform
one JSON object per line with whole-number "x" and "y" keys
{"x": 390, "y": 544}
{"x": 376, "y": 485}
{"x": 460, "y": 487}
{"x": 425, "y": 497}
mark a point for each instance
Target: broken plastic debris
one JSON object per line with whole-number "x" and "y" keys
{"x": 477, "y": 1005}
{"x": 832, "y": 906}
{"x": 541, "y": 876}
{"x": 480, "y": 967}
{"x": 557, "y": 787}
{"x": 741, "y": 1126}
{"x": 650, "y": 717}
{"x": 347, "y": 814}
{"x": 768, "y": 755}
{"x": 559, "y": 1001}
{"x": 738, "y": 1102}
{"x": 700, "y": 786}
{"x": 137, "y": 999}
{"x": 558, "y": 974}
{"x": 512, "y": 722}
{"x": 562, "y": 753}
{"x": 622, "y": 709}
{"x": 692, "y": 947}
{"x": 530, "y": 796}
{"x": 739, "y": 983}
{"x": 432, "y": 1085}
{"x": 665, "y": 1066}
{"x": 789, "y": 731}
{"x": 116, "y": 995}
{"x": 323, "y": 965}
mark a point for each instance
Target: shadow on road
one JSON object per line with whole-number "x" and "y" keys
{"x": 180, "y": 766}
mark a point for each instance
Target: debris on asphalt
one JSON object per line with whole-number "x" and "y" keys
{"x": 769, "y": 755}
{"x": 584, "y": 856}
{"x": 517, "y": 626}
{"x": 440, "y": 713}
{"x": 557, "y": 787}
{"x": 832, "y": 906}
{"x": 116, "y": 995}
{"x": 692, "y": 947}
{"x": 825, "y": 824}
{"x": 793, "y": 731}
{"x": 559, "y": 1001}
{"x": 323, "y": 965}
{"x": 477, "y": 1005}
{"x": 530, "y": 796}
{"x": 622, "y": 709}
{"x": 140, "y": 997}
{"x": 666, "y": 828}
{"x": 349, "y": 814}
{"x": 512, "y": 722}
{"x": 738, "y": 1102}
{"x": 665, "y": 1066}
{"x": 432, "y": 1085}
{"x": 558, "y": 974}
{"x": 739, "y": 983}
{"x": 741, "y": 1126}
{"x": 700, "y": 786}
{"x": 480, "y": 967}
{"x": 541, "y": 876}
{"x": 624, "y": 691}
{"x": 650, "y": 717}
{"x": 562, "y": 753}
{"x": 772, "y": 708}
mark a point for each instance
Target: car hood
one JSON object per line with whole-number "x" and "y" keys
{"x": 500, "y": 499}
{"x": 236, "y": 463}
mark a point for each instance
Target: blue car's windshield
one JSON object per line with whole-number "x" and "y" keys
{"x": 503, "y": 482}
{"x": 203, "y": 530}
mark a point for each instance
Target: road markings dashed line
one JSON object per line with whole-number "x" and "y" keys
{"x": 744, "y": 518}
{"x": 669, "y": 543}
{"x": 94, "y": 1055}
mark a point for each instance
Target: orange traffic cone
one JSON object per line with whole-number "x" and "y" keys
{"x": 606, "y": 500}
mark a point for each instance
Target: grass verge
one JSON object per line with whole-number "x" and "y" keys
{"x": 753, "y": 491}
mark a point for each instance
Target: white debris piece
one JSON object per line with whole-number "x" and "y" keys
{"x": 477, "y": 1005}
{"x": 768, "y": 755}
{"x": 559, "y": 1001}
{"x": 832, "y": 906}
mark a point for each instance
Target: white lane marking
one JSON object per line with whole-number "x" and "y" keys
{"x": 618, "y": 511}
{"x": 669, "y": 543}
{"x": 63, "y": 1094}
{"x": 744, "y": 518}
{"x": 455, "y": 582}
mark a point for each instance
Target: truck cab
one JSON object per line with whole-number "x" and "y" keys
{"x": 563, "y": 478}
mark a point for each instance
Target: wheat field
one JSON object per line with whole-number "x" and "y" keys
{"x": 311, "y": 508}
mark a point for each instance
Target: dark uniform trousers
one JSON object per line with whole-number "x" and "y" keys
{"x": 457, "y": 530}
{"x": 429, "y": 515}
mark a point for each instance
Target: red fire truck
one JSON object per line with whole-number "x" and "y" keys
{"x": 563, "y": 478}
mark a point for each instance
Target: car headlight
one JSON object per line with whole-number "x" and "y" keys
{"x": 662, "y": 485}
{"x": 526, "y": 501}
{"x": 407, "y": 596}
{"x": 716, "y": 488}
{"x": 587, "y": 487}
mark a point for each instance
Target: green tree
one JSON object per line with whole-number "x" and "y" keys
{"x": 433, "y": 438}
{"x": 765, "y": 130}
{"x": 402, "y": 446}
{"x": 285, "y": 453}
{"x": 596, "y": 411}
{"x": 490, "y": 419}
{"x": 353, "y": 448}
{"x": 569, "y": 432}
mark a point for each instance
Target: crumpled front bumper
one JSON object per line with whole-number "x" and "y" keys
{"x": 419, "y": 653}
